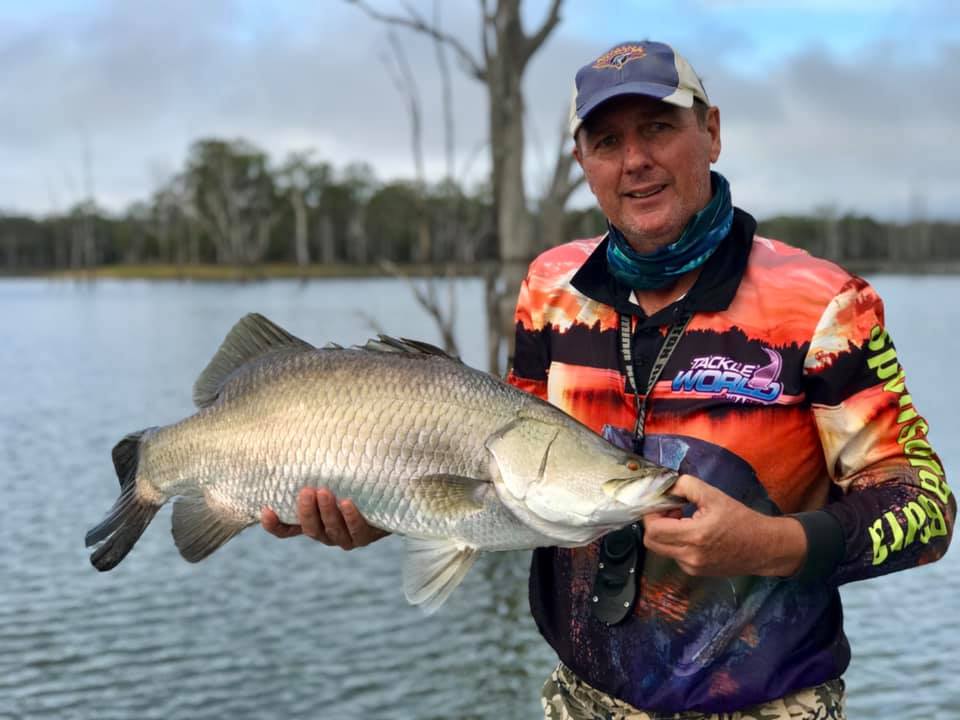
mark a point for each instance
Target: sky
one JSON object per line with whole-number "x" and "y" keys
{"x": 826, "y": 105}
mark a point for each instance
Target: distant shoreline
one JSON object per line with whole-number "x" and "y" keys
{"x": 267, "y": 271}
{"x": 291, "y": 271}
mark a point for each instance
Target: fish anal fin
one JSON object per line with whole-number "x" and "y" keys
{"x": 199, "y": 528}
{"x": 433, "y": 568}
{"x": 252, "y": 336}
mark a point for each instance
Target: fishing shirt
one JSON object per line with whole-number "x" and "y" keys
{"x": 784, "y": 391}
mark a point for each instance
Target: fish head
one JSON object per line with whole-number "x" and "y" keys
{"x": 573, "y": 485}
{"x": 611, "y": 486}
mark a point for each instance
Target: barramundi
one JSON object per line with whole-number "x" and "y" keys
{"x": 452, "y": 458}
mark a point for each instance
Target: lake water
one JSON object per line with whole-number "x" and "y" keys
{"x": 292, "y": 628}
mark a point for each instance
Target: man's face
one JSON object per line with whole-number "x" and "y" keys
{"x": 648, "y": 164}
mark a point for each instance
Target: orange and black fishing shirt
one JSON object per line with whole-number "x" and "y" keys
{"x": 785, "y": 391}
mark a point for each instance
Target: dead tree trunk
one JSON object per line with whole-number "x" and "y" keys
{"x": 565, "y": 180}
{"x": 507, "y": 50}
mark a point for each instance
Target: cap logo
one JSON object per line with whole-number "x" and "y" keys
{"x": 619, "y": 56}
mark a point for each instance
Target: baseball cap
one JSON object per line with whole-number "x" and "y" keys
{"x": 646, "y": 68}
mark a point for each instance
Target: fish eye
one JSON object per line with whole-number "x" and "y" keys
{"x": 633, "y": 465}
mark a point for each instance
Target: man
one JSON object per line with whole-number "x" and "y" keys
{"x": 762, "y": 373}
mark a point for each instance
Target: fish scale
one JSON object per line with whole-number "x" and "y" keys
{"x": 452, "y": 458}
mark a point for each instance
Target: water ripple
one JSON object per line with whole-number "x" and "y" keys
{"x": 267, "y": 628}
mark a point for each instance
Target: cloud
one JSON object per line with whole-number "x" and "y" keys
{"x": 136, "y": 83}
{"x": 866, "y": 135}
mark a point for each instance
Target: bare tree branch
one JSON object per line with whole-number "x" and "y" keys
{"x": 537, "y": 39}
{"x": 443, "y": 314}
{"x": 485, "y": 29}
{"x": 471, "y": 157}
{"x": 552, "y": 215}
{"x": 506, "y": 48}
{"x": 447, "y": 94}
{"x": 413, "y": 21}
{"x": 562, "y": 184}
{"x": 406, "y": 83}
{"x": 371, "y": 322}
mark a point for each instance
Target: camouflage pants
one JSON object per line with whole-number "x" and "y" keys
{"x": 567, "y": 697}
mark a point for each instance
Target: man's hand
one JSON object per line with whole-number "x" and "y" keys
{"x": 724, "y": 537}
{"x": 323, "y": 518}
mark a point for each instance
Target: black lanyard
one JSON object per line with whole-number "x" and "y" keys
{"x": 620, "y": 557}
{"x": 666, "y": 350}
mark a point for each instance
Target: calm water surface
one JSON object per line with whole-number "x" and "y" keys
{"x": 291, "y": 628}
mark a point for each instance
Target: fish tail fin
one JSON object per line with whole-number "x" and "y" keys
{"x": 119, "y": 531}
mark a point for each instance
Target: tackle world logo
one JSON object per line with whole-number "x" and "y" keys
{"x": 719, "y": 375}
{"x": 619, "y": 56}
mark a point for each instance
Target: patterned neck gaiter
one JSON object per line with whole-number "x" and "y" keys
{"x": 697, "y": 242}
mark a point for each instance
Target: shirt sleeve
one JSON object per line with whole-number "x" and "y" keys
{"x": 531, "y": 358}
{"x": 893, "y": 508}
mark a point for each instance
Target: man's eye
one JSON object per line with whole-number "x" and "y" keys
{"x": 607, "y": 141}
{"x": 658, "y": 127}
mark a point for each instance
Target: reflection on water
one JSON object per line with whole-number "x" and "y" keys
{"x": 291, "y": 628}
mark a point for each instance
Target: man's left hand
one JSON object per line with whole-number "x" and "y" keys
{"x": 724, "y": 537}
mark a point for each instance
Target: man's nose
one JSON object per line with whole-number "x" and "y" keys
{"x": 636, "y": 154}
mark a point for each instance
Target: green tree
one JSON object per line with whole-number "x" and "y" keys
{"x": 302, "y": 183}
{"x": 392, "y": 218}
{"x": 232, "y": 194}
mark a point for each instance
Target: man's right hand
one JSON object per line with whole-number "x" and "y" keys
{"x": 325, "y": 519}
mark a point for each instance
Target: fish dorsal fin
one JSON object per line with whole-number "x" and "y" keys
{"x": 385, "y": 343}
{"x": 432, "y": 569}
{"x": 199, "y": 529}
{"x": 250, "y": 338}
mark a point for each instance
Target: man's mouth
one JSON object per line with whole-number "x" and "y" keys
{"x": 644, "y": 193}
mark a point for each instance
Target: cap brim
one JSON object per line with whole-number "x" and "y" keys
{"x": 681, "y": 97}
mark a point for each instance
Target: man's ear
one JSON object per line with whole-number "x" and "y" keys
{"x": 576, "y": 150}
{"x": 713, "y": 127}
{"x": 578, "y": 156}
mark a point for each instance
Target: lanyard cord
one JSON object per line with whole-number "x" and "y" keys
{"x": 666, "y": 350}
{"x": 621, "y": 554}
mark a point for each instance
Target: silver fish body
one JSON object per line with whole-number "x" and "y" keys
{"x": 452, "y": 458}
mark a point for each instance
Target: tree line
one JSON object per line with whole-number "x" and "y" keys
{"x": 231, "y": 205}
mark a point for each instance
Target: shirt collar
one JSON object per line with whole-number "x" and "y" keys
{"x": 713, "y": 290}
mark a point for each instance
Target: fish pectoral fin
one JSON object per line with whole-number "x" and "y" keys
{"x": 448, "y": 495}
{"x": 199, "y": 529}
{"x": 433, "y": 568}
{"x": 251, "y": 337}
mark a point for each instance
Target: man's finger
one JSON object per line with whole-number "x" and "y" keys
{"x": 309, "y": 514}
{"x": 665, "y": 531}
{"x": 690, "y": 488}
{"x": 333, "y": 523}
{"x": 675, "y": 513}
{"x": 356, "y": 525}
{"x": 361, "y": 532}
{"x": 271, "y": 523}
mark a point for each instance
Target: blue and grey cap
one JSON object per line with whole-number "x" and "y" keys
{"x": 646, "y": 68}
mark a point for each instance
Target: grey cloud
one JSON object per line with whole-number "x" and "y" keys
{"x": 864, "y": 136}
{"x": 141, "y": 81}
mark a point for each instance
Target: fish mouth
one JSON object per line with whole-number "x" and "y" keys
{"x": 661, "y": 504}
{"x": 640, "y": 492}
